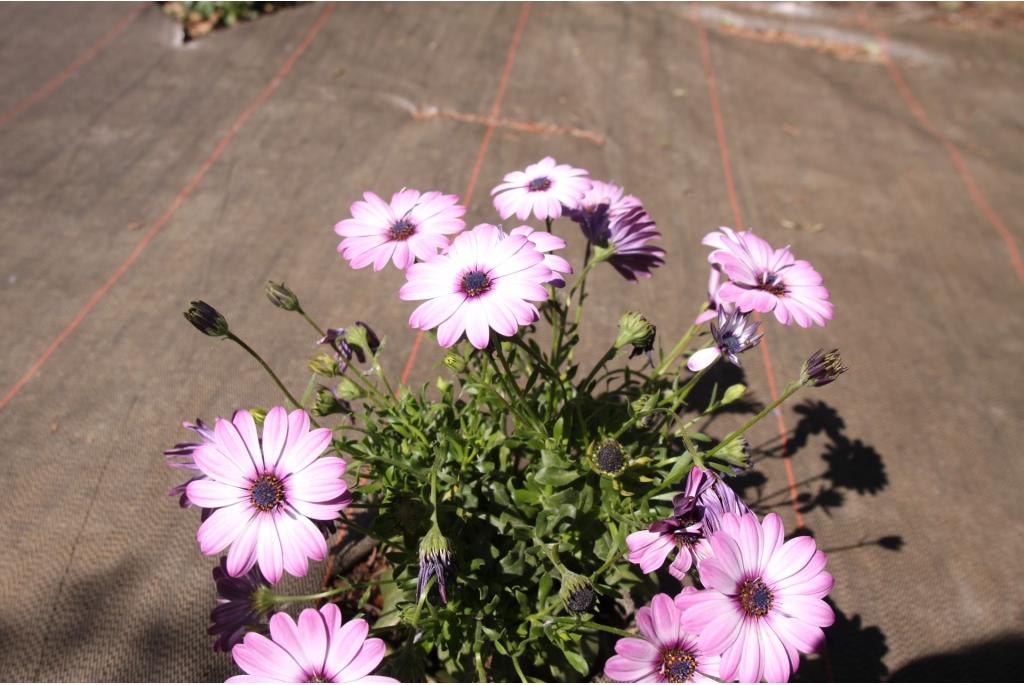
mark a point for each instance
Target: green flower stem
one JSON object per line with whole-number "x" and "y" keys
{"x": 581, "y": 284}
{"x": 384, "y": 377}
{"x": 683, "y": 393}
{"x": 789, "y": 391}
{"x": 676, "y": 351}
{"x": 595, "y": 626}
{"x": 241, "y": 343}
{"x": 515, "y": 659}
{"x": 311, "y": 322}
{"x": 606, "y": 565}
{"x": 282, "y": 599}
{"x": 597, "y": 367}
{"x": 549, "y": 221}
{"x": 367, "y": 389}
{"x": 309, "y": 390}
{"x": 510, "y": 383}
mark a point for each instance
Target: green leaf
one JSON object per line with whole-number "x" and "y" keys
{"x": 577, "y": 661}
{"x": 548, "y": 475}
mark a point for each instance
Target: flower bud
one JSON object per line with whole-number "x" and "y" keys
{"x": 207, "y": 319}
{"x": 323, "y": 365}
{"x": 281, "y": 296}
{"x": 262, "y": 599}
{"x": 607, "y": 458}
{"x": 361, "y": 337}
{"x": 259, "y": 414}
{"x": 822, "y": 368}
{"x": 326, "y": 403}
{"x": 577, "y": 593}
{"x": 636, "y": 330}
{"x": 736, "y": 453}
{"x": 643, "y": 405}
{"x": 455, "y": 362}
{"x": 347, "y": 390}
{"x": 435, "y": 561}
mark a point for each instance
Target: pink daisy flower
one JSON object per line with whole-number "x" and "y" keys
{"x": 319, "y": 649}
{"x": 412, "y": 226}
{"x": 265, "y": 494}
{"x": 696, "y": 513}
{"x": 664, "y": 652}
{"x": 541, "y": 188}
{"x": 763, "y": 603}
{"x": 545, "y": 243}
{"x": 486, "y": 280}
{"x": 764, "y": 279}
{"x": 609, "y": 219}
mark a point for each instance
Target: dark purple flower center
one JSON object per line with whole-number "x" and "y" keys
{"x": 755, "y": 597}
{"x": 317, "y": 678}
{"x": 402, "y": 229}
{"x": 266, "y": 492}
{"x": 730, "y": 344}
{"x": 539, "y": 184}
{"x": 609, "y": 458}
{"x": 772, "y": 283}
{"x": 475, "y": 283}
{"x": 677, "y": 666}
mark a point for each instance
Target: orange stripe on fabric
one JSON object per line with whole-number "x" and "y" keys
{"x": 716, "y": 110}
{"x": 221, "y": 146}
{"x": 76, "y": 65}
{"x": 499, "y": 97}
{"x": 979, "y": 199}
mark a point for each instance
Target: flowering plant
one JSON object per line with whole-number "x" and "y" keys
{"x": 523, "y": 503}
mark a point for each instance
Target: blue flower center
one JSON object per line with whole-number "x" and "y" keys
{"x": 771, "y": 282}
{"x": 755, "y": 597}
{"x": 402, "y": 229}
{"x": 475, "y": 283}
{"x": 266, "y": 492}
{"x": 677, "y": 666}
{"x": 731, "y": 344}
{"x": 538, "y": 184}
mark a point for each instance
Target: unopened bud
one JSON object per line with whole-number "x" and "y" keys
{"x": 326, "y": 403}
{"x": 822, "y": 368}
{"x": 577, "y": 593}
{"x": 259, "y": 415}
{"x": 635, "y": 330}
{"x": 455, "y": 362}
{"x": 207, "y": 319}
{"x": 361, "y": 337}
{"x": 281, "y": 296}
{"x": 262, "y": 600}
{"x": 323, "y": 365}
{"x": 435, "y": 561}
{"x": 347, "y": 390}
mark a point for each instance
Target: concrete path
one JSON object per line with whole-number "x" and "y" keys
{"x": 137, "y": 174}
